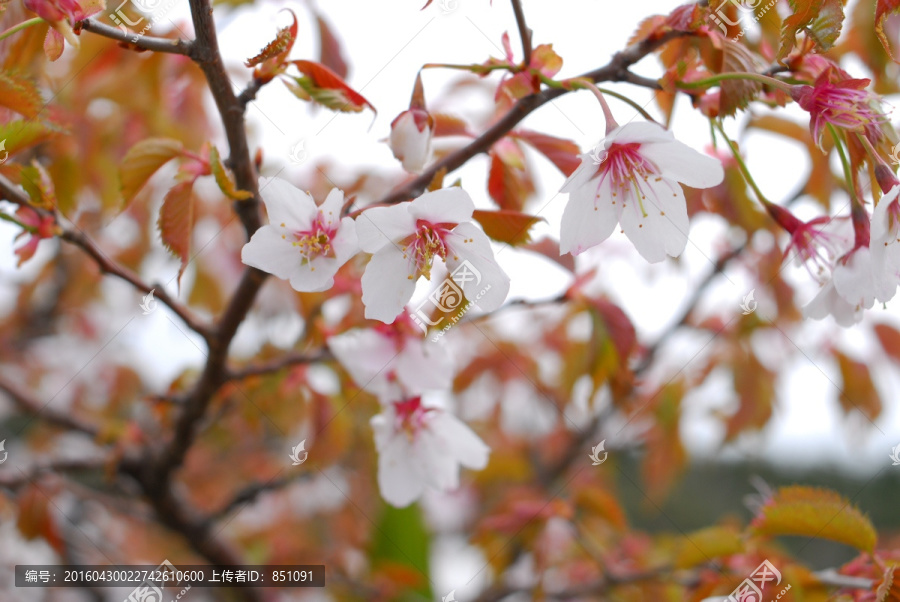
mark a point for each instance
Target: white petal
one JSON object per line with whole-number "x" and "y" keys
{"x": 345, "y": 243}
{"x": 410, "y": 146}
{"x": 422, "y": 367}
{"x": 881, "y": 227}
{"x": 643, "y": 132}
{"x": 286, "y": 204}
{"x": 582, "y": 174}
{"x": 854, "y": 281}
{"x": 829, "y": 302}
{"x": 677, "y": 161}
{"x": 664, "y": 228}
{"x": 453, "y": 205}
{"x": 269, "y": 252}
{"x": 461, "y": 441}
{"x": 398, "y": 479}
{"x": 442, "y": 468}
{"x": 370, "y": 358}
{"x": 589, "y": 217}
{"x": 381, "y": 226}
{"x": 482, "y": 280}
{"x": 331, "y": 207}
{"x": 387, "y": 285}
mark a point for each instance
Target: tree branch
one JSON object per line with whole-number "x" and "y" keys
{"x": 524, "y": 31}
{"x": 615, "y": 70}
{"x": 279, "y": 363}
{"x": 32, "y": 406}
{"x": 137, "y": 41}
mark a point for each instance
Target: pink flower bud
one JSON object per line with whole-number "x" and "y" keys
{"x": 410, "y": 141}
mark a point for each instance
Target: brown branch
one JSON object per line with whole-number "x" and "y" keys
{"x": 249, "y": 494}
{"x": 615, "y": 70}
{"x": 524, "y": 32}
{"x": 279, "y": 363}
{"x": 137, "y": 41}
{"x": 64, "y": 465}
{"x": 32, "y": 406}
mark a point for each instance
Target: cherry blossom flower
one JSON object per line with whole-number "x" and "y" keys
{"x": 421, "y": 447}
{"x": 405, "y": 240}
{"x": 841, "y": 102}
{"x": 392, "y": 361}
{"x": 63, "y": 14}
{"x": 884, "y": 247}
{"x": 302, "y": 243}
{"x": 410, "y": 141}
{"x": 635, "y": 184}
{"x": 818, "y": 243}
{"x": 850, "y": 290}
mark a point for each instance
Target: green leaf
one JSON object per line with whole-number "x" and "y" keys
{"x": 506, "y": 226}
{"x": 814, "y": 512}
{"x": 223, "y": 179}
{"x": 826, "y": 27}
{"x": 820, "y": 19}
{"x": 18, "y": 135}
{"x": 142, "y": 161}
{"x": 402, "y": 540}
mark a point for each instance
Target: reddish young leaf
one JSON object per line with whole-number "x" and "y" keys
{"x": 324, "y": 86}
{"x": 36, "y": 518}
{"x": 889, "y": 337}
{"x": 755, "y": 387}
{"x": 564, "y": 154}
{"x": 449, "y": 125}
{"x": 176, "y": 221}
{"x": 883, "y": 10}
{"x": 549, "y": 248}
{"x": 330, "y": 53}
{"x": 509, "y": 186}
{"x": 820, "y": 19}
{"x": 814, "y": 512}
{"x": 506, "y": 226}
{"x": 276, "y": 51}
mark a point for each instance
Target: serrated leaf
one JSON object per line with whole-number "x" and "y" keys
{"x": 826, "y": 27}
{"x": 275, "y": 52}
{"x": 327, "y": 88}
{"x": 142, "y": 161}
{"x": 737, "y": 94}
{"x": 826, "y": 15}
{"x": 39, "y": 186}
{"x": 176, "y": 221}
{"x": 511, "y": 227}
{"x": 858, "y": 391}
{"x": 707, "y": 544}
{"x": 223, "y": 178}
{"x": 883, "y": 10}
{"x": 814, "y": 512}
{"x": 20, "y": 134}
{"x": 564, "y": 154}
{"x": 888, "y": 587}
{"x": 20, "y": 94}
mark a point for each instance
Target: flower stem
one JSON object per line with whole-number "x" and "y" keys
{"x": 585, "y": 84}
{"x": 743, "y": 166}
{"x": 858, "y": 213}
{"x": 20, "y": 26}
{"x": 744, "y": 75}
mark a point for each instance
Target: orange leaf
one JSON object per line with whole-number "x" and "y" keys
{"x": 858, "y": 392}
{"x": 814, "y": 512}
{"x": 143, "y": 160}
{"x": 564, "y": 154}
{"x": 35, "y": 519}
{"x": 20, "y": 94}
{"x": 706, "y": 544}
{"x": 176, "y": 221}
{"x": 449, "y": 125}
{"x": 327, "y": 88}
{"x": 506, "y": 226}
{"x": 330, "y": 49}
{"x": 888, "y": 589}
{"x": 275, "y": 51}
{"x": 889, "y": 338}
{"x": 549, "y": 248}
{"x": 509, "y": 186}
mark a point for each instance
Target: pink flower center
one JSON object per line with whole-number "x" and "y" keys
{"x": 815, "y": 246}
{"x": 629, "y": 172}
{"x": 420, "y": 249}
{"x": 411, "y": 416}
{"x": 317, "y": 240}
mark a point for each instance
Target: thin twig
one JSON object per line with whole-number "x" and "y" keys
{"x": 287, "y": 360}
{"x": 28, "y": 404}
{"x": 140, "y": 42}
{"x": 524, "y": 31}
